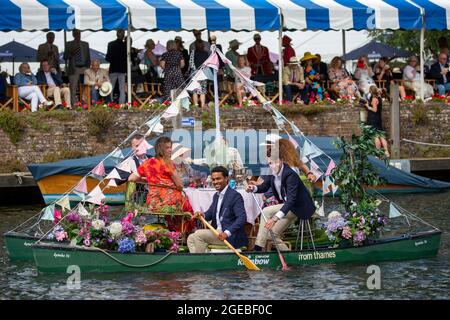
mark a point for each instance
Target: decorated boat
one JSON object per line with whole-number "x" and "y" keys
{"x": 86, "y": 235}
{"x": 56, "y": 257}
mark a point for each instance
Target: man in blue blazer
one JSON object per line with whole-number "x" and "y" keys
{"x": 295, "y": 202}
{"x": 227, "y": 213}
{"x": 55, "y": 86}
{"x": 440, "y": 72}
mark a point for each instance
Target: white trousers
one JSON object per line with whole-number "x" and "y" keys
{"x": 278, "y": 228}
{"x": 32, "y": 93}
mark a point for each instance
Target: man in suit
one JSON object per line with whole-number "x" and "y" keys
{"x": 294, "y": 80}
{"x": 259, "y": 59}
{"x": 48, "y": 76}
{"x": 95, "y": 77}
{"x": 227, "y": 213}
{"x": 77, "y": 53}
{"x": 294, "y": 201}
{"x": 116, "y": 55}
{"x": 439, "y": 72}
{"x": 49, "y": 52}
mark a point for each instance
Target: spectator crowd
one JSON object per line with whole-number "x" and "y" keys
{"x": 305, "y": 79}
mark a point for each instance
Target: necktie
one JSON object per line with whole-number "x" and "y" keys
{"x": 294, "y": 80}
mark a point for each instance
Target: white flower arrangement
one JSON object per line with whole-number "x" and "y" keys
{"x": 334, "y": 214}
{"x": 115, "y": 229}
{"x": 98, "y": 224}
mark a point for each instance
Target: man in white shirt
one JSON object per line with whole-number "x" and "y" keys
{"x": 227, "y": 213}
{"x": 295, "y": 202}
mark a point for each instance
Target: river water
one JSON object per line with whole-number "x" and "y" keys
{"x": 417, "y": 279}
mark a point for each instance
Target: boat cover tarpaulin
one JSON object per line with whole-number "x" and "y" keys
{"x": 393, "y": 175}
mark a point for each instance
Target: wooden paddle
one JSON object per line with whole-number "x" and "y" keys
{"x": 246, "y": 261}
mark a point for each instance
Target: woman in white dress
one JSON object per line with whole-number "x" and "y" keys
{"x": 364, "y": 74}
{"x": 411, "y": 79}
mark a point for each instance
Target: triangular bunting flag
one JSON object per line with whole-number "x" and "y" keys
{"x": 208, "y": 74}
{"x": 64, "y": 202}
{"x": 334, "y": 188}
{"x": 172, "y": 111}
{"x": 48, "y": 212}
{"x": 277, "y": 114}
{"x": 183, "y": 94}
{"x": 185, "y": 103}
{"x": 393, "y": 211}
{"x": 326, "y": 185}
{"x": 143, "y": 147}
{"x": 331, "y": 166}
{"x": 96, "y": 196}
{"x": 292, "y": 140}
{"x": 279, "y": 122}
{"x": 321, "y": 210}
{"x": 315, "y": 170}
{"x": 82, "y": 211}
{"x": 295, "y": 129}
{"x": 267, "y": 105}
{"x": 112, "y": 183}
{"x": 225, "y": 59}
{"x": 200, "y": 76}
{"x": 81, "y": 186}
{"x": 80, "y": 194}
{"x": 306, "y": 149}
{"x": 99, "y": 170}
{"x": 194, "y": 85}
{"x": 125, "y": 165}
{"x": 152, "y": 122}
{"x": 114, "y": 174}
{"x": 117, "y": 153}
{"x": 213, "y": 61}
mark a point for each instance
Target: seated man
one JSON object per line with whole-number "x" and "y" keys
{"x": 95, "y": 77}
{"x": 293, "y": 80}
{"x": 50, "y": 77}
{"x": 227, "y": 213}
{"x": 439, "y": 72}
{"x": 292, "y": 196}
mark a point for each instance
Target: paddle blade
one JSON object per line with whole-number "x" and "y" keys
{"x": 248, "y": 263}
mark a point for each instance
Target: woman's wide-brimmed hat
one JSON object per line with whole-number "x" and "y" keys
{"x": 308, "y": 56}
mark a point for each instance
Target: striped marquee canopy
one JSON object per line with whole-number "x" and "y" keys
{"x": 173, "y": 15}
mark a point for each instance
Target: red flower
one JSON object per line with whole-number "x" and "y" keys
{"x": 85, "y": 106}
{"x": 98, "y": 103}
{"x": 135, "y": 104}
{"x": 57, "y": 215}
{"x": 64, "y": 104}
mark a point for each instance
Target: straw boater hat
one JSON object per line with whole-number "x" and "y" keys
{"x": 234, "y": 43}
{"x": 293, "y": 61}
{"x": 308, "y": 56}
{"x": 105, "y": 89}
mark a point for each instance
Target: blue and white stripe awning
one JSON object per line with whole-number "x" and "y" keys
{"x": 62, "y": 15}
{"x": 363, "y": 14}
{"x": 174, "y": 15}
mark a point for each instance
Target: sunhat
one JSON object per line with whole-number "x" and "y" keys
{"x": 308, "y": 56}
{"x": 270, "y": 139}
{"x": 293, "y": 60}
{"x": 234, "y": 43}
{"x": 105, "y": 89}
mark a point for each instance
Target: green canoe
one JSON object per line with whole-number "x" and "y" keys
{"x": 51, "y": 257}
{"x": 18, "y": 246}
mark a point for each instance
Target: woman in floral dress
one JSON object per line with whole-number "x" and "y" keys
{"x": 343, "y": 84}
{"x": 172, "y": 62}
{"x": 165, "y": 184}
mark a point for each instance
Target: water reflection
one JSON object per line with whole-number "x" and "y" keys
{"x": 416, "y": 279}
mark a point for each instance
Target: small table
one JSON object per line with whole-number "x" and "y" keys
{"x": 201, "y": 199}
